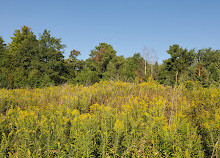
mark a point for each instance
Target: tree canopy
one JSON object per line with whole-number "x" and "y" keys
{"x": 34, "y": 61}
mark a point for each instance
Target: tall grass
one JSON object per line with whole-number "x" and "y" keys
{"x": 110, "y": 119}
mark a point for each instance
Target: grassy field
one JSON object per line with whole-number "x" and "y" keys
{"x": 110, "y": 119}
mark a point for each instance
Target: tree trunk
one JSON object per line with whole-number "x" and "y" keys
{"x": 176, "y": 76}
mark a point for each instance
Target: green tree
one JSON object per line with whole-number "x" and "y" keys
{"x": 211, "y": 61}
{"x": 177, "y": 65}
{"x": 208, "y": 56}
{"x": 3, "y": 64}
{"x": 51, "y": 60}
{"x": 87, "y": 77}
{"x": 22, "y": 53}
{"x": 214, "y": 69}
{"x": 34, "y": 62}
{"x": 100, "y": 58}
{"x": 2, "y": 52}
{"x": 115, "y": 69}
{"x": 23, "y": 48}
{"x": 73, "y": 65}
{"x": 205, "y": 69}
{"x": 156, "y": 71}
{"x": 134, "y": 68}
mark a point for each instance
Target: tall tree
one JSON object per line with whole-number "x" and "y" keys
{"x": 115, "y": 69}
{"x": 135, "y": 68}
{"x": 175, "y": 66}
{"x": 23, "y": 47}
{"x": 3, "y": 66}
{"x": 100, "y": 57}
{"x": 51, "y": 59}
{"x": 2, "y": 52}
{"x": 22, "y": 52}
{"x": 73, "y": 65}
{"x": 208, "y": 56}
{"x": 206, "y": 68}
{"x": 156, "y": 71}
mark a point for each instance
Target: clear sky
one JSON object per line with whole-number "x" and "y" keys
{"x": 128, "y": 25}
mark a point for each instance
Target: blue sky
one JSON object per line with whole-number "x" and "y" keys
{"x": 128, "y": 25}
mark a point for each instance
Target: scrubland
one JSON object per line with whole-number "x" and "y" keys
{"x": 111, "y": 119}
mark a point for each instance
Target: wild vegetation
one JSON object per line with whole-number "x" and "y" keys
{"x": 111, "y": 119}
{"x": 106, "y": 105}
{"x": 28, "y": 61}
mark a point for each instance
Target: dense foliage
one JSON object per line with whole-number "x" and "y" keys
{"x": 110, "y": 119}
{"x": 106, "y": 105}
{"x": 31, "y": 62}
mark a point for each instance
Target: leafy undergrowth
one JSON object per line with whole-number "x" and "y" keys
{"x": 110, "y": 119}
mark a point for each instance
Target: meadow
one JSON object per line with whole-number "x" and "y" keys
{"x": 111, "y": 119}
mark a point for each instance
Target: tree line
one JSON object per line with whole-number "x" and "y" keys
{"x": 28, "y": 61}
